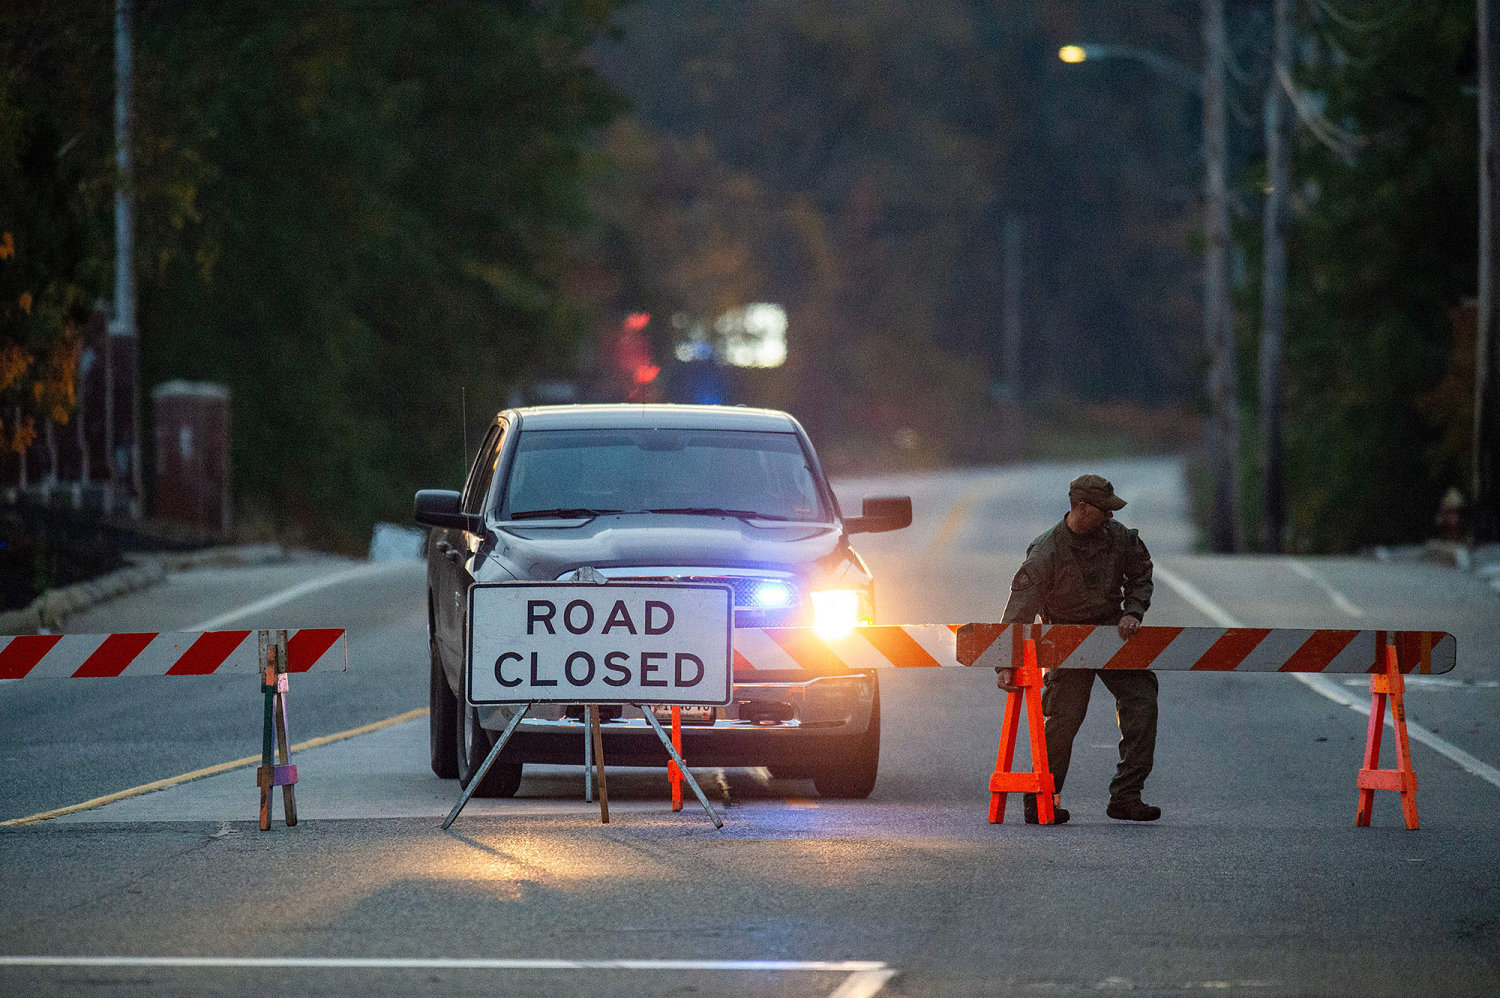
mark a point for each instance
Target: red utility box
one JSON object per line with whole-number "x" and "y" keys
{"x": 192, "y": 454}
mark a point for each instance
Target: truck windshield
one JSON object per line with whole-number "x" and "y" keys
{"x": 744, "y": 473}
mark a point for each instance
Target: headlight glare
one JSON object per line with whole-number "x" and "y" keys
{"x": 835, "y": 612}
{"x": 773, "y": 594}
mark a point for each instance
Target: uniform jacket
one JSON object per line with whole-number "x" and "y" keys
{"x": 1072, "y": 579}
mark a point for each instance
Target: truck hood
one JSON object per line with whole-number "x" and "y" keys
{"x": 545, "y": 549}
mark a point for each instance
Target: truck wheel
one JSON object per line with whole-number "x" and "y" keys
{"x": 473, "y": 743}
{"x": 853, "y": 776}
{"x": 442, "y": 717}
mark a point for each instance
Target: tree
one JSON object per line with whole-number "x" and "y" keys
{"x": 1378, "y": 261}
{"x": 55, "y": 176}
{"x": 381, "y": 218}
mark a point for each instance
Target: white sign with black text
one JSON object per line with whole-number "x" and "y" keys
{"x": 565, "y": 642}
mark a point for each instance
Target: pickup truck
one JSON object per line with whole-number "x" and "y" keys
{"x": 725, "y": 495}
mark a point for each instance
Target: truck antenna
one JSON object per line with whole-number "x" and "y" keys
{"x": 463, "y": 416}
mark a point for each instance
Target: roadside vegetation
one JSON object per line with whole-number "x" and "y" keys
{"x": 367, "y": 216}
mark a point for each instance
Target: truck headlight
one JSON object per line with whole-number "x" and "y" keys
{"x": 835, "y": 612}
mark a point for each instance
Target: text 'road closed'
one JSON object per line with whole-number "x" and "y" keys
{"x": 584, "y": 643}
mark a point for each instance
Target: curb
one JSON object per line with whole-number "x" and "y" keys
{"x": 50, "y": 609}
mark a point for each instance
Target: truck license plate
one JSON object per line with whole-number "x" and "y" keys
{"x": 690, "y": 714}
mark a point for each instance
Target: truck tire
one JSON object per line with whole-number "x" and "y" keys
{"x": 472, "y": 743}
{"x": 442, "y": 717}
{"x": 852, "y": 777}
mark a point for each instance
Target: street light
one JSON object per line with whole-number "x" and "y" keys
{"x": 1174, "y": 71}
{"x": 1218, "y": 321}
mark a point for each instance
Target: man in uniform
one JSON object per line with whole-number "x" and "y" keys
{"x": 1090, "y": 569}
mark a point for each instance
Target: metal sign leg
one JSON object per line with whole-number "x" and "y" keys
{"x": 598, "y": 740}
{"x": 588, "y": 757}
{"x": 489, "y": 761}
{"x": 677, "y": 758}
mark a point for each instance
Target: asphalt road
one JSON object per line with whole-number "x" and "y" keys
{"x": 1255, "y": 880}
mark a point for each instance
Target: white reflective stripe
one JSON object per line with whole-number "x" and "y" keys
{"x": 937, "y": 640}
{"x": 855, "y": 651}
{"x": 1273, "y": 651}
{"x": 1358, "y": 655}
{"x": 67, "y": 655}
{"x": 1189, "y": 646}
{"x": 1099, "y": 647}
{"x": 760, "y": 651}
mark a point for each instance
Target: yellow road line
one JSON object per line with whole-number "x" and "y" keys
{"x": 223, "y": 767}
{"x": 954, "y": 519}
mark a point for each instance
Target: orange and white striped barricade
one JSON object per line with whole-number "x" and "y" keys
{"x": 193, "y": 653}
{"x": 762, "y": 652}
{"x": 1384, "y": 655}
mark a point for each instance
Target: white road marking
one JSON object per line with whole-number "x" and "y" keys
{"x": 1339, "y": 599}
{"x": 301, "y": 589}
{"x": 864, "y": 983}
{"x": 866, "y": 979}
{"x": 1327, "y": 687}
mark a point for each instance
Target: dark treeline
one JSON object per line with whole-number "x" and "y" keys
{"x": 355, "y": 212}
{"x": 867, "y": 156}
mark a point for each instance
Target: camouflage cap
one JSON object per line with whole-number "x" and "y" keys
{"x": 1095, "y": 491}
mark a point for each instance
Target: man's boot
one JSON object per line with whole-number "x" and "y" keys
{"x": 1132, "y": 809}
{"x": 1028, "y": 811}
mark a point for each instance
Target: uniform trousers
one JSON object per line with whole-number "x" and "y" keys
{"x": 1065, "y": 700}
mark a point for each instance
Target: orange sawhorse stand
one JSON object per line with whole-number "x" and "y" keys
{"x": 1402, "y": 779}
{"x": 1039, "y": 781}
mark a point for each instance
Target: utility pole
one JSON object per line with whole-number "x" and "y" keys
{"x": 122, "y": 350}
{"x": 1218, "y": 320}
{"x": 1486, "y": 461}
{"x": 1273, "y": 289}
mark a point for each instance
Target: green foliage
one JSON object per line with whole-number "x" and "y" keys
{"x": 1381, "y": 249}
{"x": 55, "y": 184}
{"x": 374, "y": 212}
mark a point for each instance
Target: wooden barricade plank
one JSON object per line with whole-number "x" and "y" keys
{"x": 1207, "y": 649}
{"x": 164, "y": 653}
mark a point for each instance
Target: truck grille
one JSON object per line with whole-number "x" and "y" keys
{"x": 743, "y": 587}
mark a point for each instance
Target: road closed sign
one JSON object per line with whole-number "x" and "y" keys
{"x": 562, "y": 642}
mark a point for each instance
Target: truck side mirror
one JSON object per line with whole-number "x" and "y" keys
{"x": 881, "y": 513}
{"x": 440, "y": 508}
